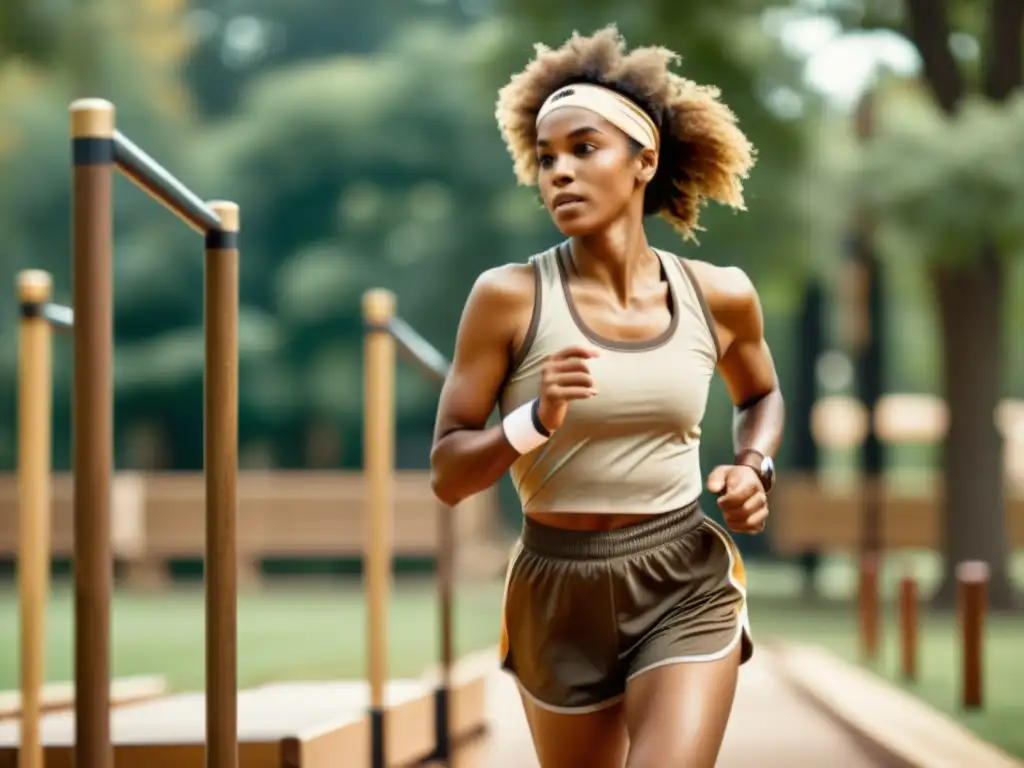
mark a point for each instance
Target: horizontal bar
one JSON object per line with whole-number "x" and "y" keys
{"x": 59, "y": 316}
{"x": 419, "y": 350}
{"x": 153, "y": 178}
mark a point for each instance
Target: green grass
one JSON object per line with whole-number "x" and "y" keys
{"x": 285, "y": 633}
{"x": 319, "y": 631}
{"x": 939, "y": 667}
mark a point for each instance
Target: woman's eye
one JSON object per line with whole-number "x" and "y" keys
{"x": 584, "y": 149}
{"x": 544, "y": 161}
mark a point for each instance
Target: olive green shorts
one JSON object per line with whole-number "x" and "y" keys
{"x": 586, "y": 611}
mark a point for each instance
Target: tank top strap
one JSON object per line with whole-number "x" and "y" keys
{"x": 548, "y": 318}
{"x": 550, "y": 304}
{"x": 691, "y": 304}
{"x": 546, "y": 265}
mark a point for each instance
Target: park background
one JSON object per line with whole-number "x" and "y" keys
{"x": 360, "y": 143}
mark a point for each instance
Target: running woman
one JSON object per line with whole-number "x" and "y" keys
{"x": 625, "y": 617}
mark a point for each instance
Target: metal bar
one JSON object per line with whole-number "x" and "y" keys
{"x": 220, "y": 417}
{"x": 92, "y": 131}
{"x": 59, "y": 316}
{"x": 418, "y": 350}
{"x": 161, "y": 184}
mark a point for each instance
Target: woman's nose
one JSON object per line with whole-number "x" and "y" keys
{"x": 563, "y": 173}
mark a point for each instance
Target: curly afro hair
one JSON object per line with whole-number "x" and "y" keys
{"x": 703, "y": 154}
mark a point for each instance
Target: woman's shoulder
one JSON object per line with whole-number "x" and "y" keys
{"x": 726, "y": 289}
{"x": 503, "y": 293}
{"x": 506, "y": 285}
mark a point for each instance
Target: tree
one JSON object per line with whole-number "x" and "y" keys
{"x": 361, "y": 171}
{"x": 26, "y": 31}
{"x": 237, "y": 43}
{"x": 952, "y": 185}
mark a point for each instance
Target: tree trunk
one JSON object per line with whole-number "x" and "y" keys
{"x": 970, "y": 302}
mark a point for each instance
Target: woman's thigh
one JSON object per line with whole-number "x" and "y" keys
{"x": 676, "y": 714}
{"x": 590, "y": 740}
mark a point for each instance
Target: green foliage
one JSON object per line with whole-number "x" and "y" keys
{"x": 26, "y": 31}
{"x": 354, "y": 172}
{"x": 365, "y": 154}
{"x": 236, "y": 45}
{"x": 943, "y": 187}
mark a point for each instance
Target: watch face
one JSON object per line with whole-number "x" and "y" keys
{"x": 768, "y": 472}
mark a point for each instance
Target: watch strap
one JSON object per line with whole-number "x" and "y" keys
{"x": 754, "y": 459}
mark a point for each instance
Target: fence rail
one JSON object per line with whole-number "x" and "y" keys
{"x": 418, "y": 350}
{"x": 164, "y": 186}
{"x": 59, "y": 316}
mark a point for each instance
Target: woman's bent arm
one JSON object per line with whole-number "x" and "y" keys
{"x": 467, "y": 456}
{"x": 746, "y": 365}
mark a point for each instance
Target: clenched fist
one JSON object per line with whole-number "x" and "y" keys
{"x": 564, "y": 377}
{"x": 741, "y": 497}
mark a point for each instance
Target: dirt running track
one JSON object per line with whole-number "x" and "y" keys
{"x": 772, "y": 726}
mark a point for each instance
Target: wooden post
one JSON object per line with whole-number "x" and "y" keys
{"x": 907, "y": 611}
{"x": 972, "y": 607}
{"x": 868, "y": 600}
{"x": 446, "y": 589}
{"x": 92, "y": 145}
{"x": 220, "y": 416}
{"x": 35, "y": 425}
{"x": 378, "y": 466}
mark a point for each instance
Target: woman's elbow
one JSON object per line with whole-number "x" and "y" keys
{"x": 442, "y": 483}
{"x": 443, "y": 490}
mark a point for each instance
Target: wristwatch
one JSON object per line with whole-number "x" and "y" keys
{"x": 761, "y": 464}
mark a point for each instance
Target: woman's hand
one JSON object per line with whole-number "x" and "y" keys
{"x": 564, "y": 377}
{"x": 741, "y": 497}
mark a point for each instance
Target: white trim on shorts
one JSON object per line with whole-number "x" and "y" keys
{"x": 586, "y": 710}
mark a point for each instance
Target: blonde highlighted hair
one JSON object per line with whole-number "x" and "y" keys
{"x": 703, "y": 154}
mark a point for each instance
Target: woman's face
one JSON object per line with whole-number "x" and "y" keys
{"x": 588, "y": 172}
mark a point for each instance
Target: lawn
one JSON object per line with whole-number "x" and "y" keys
{"x": 286, "y": 633}
{"x": 319, "y": 631}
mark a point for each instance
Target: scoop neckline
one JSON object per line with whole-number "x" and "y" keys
{"x": 623, "y": 345}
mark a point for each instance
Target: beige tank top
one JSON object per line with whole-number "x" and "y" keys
{"x": 634, "y": 447}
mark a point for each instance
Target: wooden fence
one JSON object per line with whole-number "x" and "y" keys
{"x": 808, "y": 515}
{"x": 159, "y": 517}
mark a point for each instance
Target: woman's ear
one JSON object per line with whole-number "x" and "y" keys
{"x": 648, "y": 162}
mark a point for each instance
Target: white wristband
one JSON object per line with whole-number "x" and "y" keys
{"x": 520, "y": 430}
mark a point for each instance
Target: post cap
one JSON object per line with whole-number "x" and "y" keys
{"x": 227, "y": 212}
{"x": 972, "y": 572}
{"x": 92, "y": 119}
{"x": 34, "y": 286}
{"x": 378, "y": 305}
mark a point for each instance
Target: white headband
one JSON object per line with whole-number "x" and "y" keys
{"x": 613, "y": 107}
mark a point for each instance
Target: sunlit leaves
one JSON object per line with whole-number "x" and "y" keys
{"x": 949, "y": 184}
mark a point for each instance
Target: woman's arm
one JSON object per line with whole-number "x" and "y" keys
{"x": 746, "y": 365}
{"x": 467, "y": 456}
{"x": 748, "y": 370}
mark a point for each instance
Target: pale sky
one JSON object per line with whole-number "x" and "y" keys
{"x": 841, "y": 65}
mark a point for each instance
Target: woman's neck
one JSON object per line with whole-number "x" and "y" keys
{"x": 618, "y": 257}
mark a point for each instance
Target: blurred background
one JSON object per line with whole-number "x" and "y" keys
{"x": 884, "y": 234}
